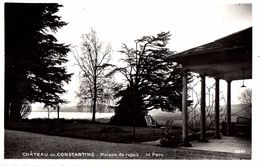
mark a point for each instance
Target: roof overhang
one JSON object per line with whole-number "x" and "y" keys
{"x": 228, "y": 58}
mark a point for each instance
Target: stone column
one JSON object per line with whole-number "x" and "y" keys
{"x": 203, "y": 111}
{"x": 217, "y": 132}
{"x": 229, "y": 107}
{"x": 184, "y": 111}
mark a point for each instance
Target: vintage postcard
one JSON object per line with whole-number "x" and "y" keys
{"x": 127, "y": 80}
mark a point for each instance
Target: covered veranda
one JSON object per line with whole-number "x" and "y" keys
{"x": 229, "y": 59}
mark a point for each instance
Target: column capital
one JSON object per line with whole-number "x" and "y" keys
{"x": 202, "y": 75}
{"x": 217, "y": 78}
{"x": 218, "y": 75}
{"x": 229, "y": 81}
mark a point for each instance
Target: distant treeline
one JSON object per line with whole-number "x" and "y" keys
{"x": 77, "y": 108}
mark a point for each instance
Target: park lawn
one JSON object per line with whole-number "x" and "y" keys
{"x": 84, "y": 129}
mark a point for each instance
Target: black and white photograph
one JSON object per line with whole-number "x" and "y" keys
{"x": 146, "y": 80}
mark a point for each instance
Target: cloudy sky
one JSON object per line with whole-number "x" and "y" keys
{"x": 191, "y": 23}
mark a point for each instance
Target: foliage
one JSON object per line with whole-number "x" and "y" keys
{"x": 26, "y": 110}
{"x": 33, "y": 57}
{"x": 152, "y": 80}
{"x": 170, "y": 137}
{"x": 130, "y": 109}
{"x": 93, "y": 63}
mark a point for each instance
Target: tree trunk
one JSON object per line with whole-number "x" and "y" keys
{"x": 134, "y": 128}
{"x": 48, "y": 112}
{"x": 6, "y": 107}
{"x": 15, "y": 108}
{"x": 58, "y": 111}
{"x": 94, "y": 100}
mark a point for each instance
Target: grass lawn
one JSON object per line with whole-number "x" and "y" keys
{"x": 86, "y": 130}
{"x": 15, "y": 145}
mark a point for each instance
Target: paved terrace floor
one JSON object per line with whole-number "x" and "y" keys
{"x": 226, "y": 144}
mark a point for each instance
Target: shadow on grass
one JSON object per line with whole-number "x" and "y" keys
{"x": 85, "y": 129}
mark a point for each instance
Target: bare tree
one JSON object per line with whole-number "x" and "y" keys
{"x": 193, "y": 116}
{"x": 193, "y": 111}
{"x": 93, "y": 63}
{"x": 246, "y": 99}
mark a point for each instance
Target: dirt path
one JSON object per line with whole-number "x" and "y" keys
{"x": 20, "y": 144}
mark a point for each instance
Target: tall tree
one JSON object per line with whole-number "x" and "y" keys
{"x": 34, "y": 60}
{"x": 152, "y": 80}
{"x": 93, "y": 63}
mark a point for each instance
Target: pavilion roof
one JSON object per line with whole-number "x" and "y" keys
{"x": 227, "y": 58}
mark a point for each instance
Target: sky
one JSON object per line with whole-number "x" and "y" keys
{"x": 190, "y": 23}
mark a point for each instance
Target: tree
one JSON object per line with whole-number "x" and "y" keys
{"x": 246, "y": 100}
{"x": 246, "y": 97}
{"x": 34, "y": 70}
{"x": 93, "y": 63}
{"x": 105, "y": 95}
{"x": 26, "y": 110}
{"x": 152, "y": 80}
